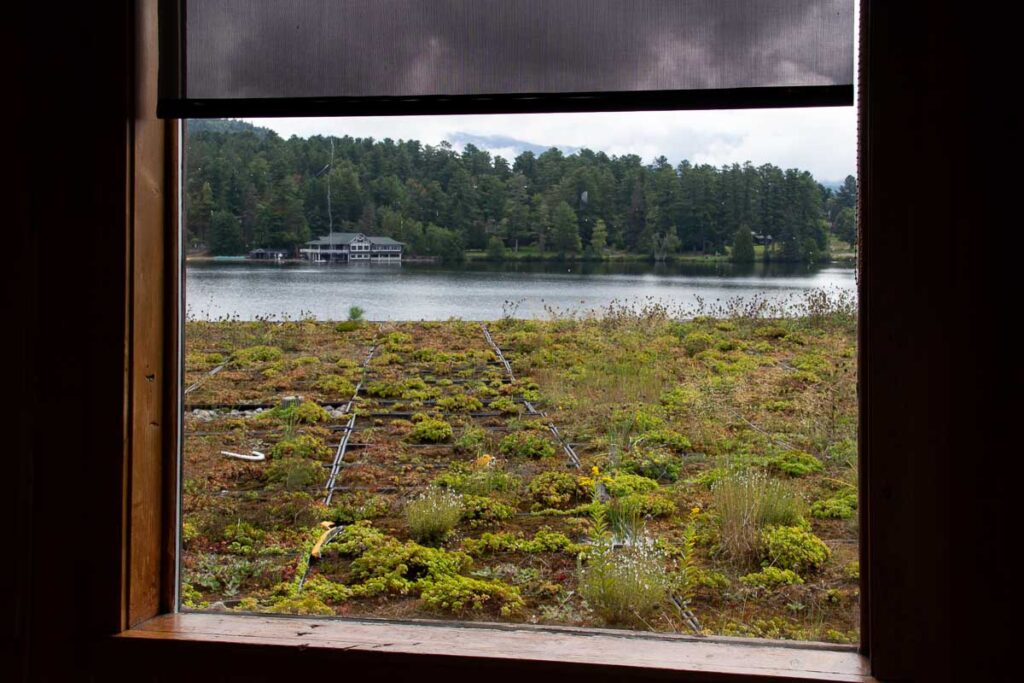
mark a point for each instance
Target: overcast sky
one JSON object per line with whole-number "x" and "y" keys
{"x": 822, "y": 140}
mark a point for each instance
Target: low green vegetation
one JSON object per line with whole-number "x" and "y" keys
{"x": 431, "y": 430}
{"x": 435, "y": 513}
{"x": 703, "y": 477}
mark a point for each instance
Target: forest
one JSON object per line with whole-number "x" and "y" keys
{"x": 246, "y": 188}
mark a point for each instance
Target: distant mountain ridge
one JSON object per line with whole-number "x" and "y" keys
{"x": 227, "y": 126}
{"x": 490, "y": 142}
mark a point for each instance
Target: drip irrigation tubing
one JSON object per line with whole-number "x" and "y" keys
{"x": 340, "y": 454}
{"x": 195, "y": 385}
{"x": 569, "y": 451}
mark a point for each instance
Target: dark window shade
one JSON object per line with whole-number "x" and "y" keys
{"x": 305, "y": 57}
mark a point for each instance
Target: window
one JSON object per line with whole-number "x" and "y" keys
{"x": 909, "y": 425}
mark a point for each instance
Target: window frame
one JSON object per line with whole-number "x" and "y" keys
{"x": 148, "y": 627}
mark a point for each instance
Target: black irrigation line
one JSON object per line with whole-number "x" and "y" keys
{"x": 195, "y": 385}
{"x": 340, "y": 454}
{"x": 410, "y": 413}
{"x": 531, "y": 410}
{"x": 684, "y": 610}
{"x": 429, "y": 401}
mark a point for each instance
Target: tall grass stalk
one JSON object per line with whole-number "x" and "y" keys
{"x": 433, "y": 514}
{"x": 746, "y": 503}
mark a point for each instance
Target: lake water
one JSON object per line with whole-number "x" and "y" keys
{"x": 483, "y": 291}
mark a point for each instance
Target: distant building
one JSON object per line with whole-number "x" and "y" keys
{"x": 268, "y": 254}
{"x": 353, "y": 246}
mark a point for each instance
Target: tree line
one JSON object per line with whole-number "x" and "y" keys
{"x": 246, "y": 187}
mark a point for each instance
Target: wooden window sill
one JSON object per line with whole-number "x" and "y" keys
{"x": 623, "y": 652}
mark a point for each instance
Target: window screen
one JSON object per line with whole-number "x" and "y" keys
{"x": 252, "y": 57}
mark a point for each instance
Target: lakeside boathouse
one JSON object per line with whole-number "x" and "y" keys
{"x": 343, "y": 247}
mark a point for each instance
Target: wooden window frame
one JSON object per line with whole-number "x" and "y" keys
{"x": 131, "y": 580}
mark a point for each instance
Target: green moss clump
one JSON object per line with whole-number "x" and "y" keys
{"x": 840, "y": 506}
{"x": 506, "y": 405}
{"x": 460, "y": 594}
{"x": 667, "y": 438}
{"x": 482, "y": 511}
{"x": 544, "y": 541}
{"x": 348, "y": 326}
{"x": 243, "y": 538}
{"x": 306, "y": 412}
{"x": 625, "y": 484}
{"x": 645, "y": 505}
{"x": 192, "y": 598}
{"x": 304, "y": 603}
{"x": 526, "y": 445}
{"x": 695, "y": 342}
{"x": 335, "y": 385}
{"x": 657, "y": 464}
{"x": 430, "y": 430}
{"x": 382, "y": 389}
{"x": 401, "y": 565}
{"x": 472, "y": 440}
{"x": 770, "y": 331}
{"x": 794, "y": 463}
{"x": 791, "y": 547}
{"x": 256, "y": 354}
{"x": 772, "y": 577}
{"x": 557, "y": 490}
{"x": 325, "y": 590}
{"x": 301, "y": 446}
{"x": 460, "y": 403}
{"x": 680, "y": 398}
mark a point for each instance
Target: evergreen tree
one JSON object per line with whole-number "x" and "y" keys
{"x": 495, "y": 249}
{"x": 599, "y": 238}
{"x": 743, "y": 246}
{"x": 846, "y": 226}
{"x": 200, "y": 212}
{"x": 565, "y": 233}
{"x": 225, "y": 235}
{"x": 277, "y": 189}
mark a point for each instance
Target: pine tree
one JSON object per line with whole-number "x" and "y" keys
{"x": 599, "y": 238}
{"x": 743, "y": 246}
{"x": 225, "y": 234}
{"x": 495, "y": 249}
{"x": 565, "y": 231}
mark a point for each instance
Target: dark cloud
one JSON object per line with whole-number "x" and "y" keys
{"x": 308, "y": 48}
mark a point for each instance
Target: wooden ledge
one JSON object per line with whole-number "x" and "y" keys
{"x": 532, "y": 648}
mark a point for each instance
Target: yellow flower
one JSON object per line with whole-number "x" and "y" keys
{"x": 484, "y": 460}
{"x": 595, "y": 470}
{"x": 695, "y": 511}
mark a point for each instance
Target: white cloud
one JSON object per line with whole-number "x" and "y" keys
{"x": 821, "y": 140}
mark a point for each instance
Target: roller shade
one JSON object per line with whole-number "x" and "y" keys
{"x": 359, "y": 57}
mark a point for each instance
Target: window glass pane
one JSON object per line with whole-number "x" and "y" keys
{"x": 588, "y": 370}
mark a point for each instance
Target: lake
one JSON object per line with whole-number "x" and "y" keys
{"x": 484, "y": 291}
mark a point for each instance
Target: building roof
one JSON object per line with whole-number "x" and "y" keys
{"x": 348, "y": 238}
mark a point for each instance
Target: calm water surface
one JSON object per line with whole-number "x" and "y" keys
{"x": 482, "y": 291}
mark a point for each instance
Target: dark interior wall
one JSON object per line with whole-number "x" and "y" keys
{"x": 934, "y": 327}
{"x": 68, "y": 125}
{"x": 945, "y": 373}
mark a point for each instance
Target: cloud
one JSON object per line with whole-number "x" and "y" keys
{"x": 822, "y": 141}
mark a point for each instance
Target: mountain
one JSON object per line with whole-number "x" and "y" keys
{"x": 503, "y": 145}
